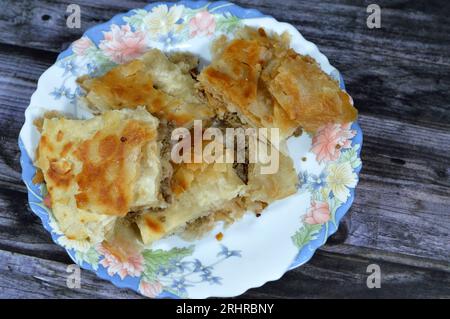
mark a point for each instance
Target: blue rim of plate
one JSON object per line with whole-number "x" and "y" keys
{"x": 95, "y": 34}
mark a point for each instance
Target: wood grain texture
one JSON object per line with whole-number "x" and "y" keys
{"x": 399, "y": 78}
{"x": 327, "y": 275}
{"x": 23, "y": 276}
{"x": 20, "y": 69}
{"x": 411, "y": 45}
{"x": 21, "y": 231}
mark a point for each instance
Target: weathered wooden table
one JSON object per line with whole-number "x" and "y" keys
{"x": 399, "y": 78}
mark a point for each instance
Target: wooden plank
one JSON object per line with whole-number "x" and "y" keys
{"x": 20, "y": 69}
{"x": 23, "y": 276}
{"x": 33, "y": 21}
{"x": 335, "y": 246}
{"x": 42, "y": 24}
{"x": 21, "y": 230}
{"x": 327, "y": 275}
{"x": 394, "y": 88}
{"x": 401, "y": 204}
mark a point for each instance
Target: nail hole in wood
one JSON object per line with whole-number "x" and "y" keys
{"x": 398, "y": 161}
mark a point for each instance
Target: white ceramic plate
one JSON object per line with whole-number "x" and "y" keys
{"x": 253, "y": 250}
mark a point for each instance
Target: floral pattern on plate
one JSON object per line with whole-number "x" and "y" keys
{"x": 179, "y": 23}
{"x": 331, "y": 187}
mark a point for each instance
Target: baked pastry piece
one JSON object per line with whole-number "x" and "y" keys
{"x": 123, "y": 242}
{"x": 198, "y": 190}
{"x": 99, "y": 169}
{"x": 164, "y": 87}
{"x": 267, "y": 188}
{"x": 269, "y": 85}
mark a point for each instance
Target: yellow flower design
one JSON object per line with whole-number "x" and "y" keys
{"x": 78, "y": 245}
{"x": 340, "y": 178}
{"x": 162, "y": 20}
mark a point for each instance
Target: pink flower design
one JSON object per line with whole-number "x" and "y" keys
{"x": 81, "y": 46}
{"x": 150, "y": 289}
{"x": 318, "y": 213}
{"x": 202, "y": 24}
{"x": 117, "y": 263}
{"x": 122, "y": 45}
{"x": 330, "y": 139}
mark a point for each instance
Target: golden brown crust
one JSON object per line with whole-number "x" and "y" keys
{"x": 105, "y": 183}
{"x": 199, "y": 189}
{"x": 269, "y": 85}
{"x": 139, "y": 83}
{"x": 308, "y": 95}
{"x": 267, "y": 188}
{"x": 98, "y": 169}
{"x": 241, "y": 62}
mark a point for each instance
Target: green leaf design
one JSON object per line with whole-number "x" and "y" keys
{"x": 43, "y": 189}
{"x": 101, "y": 59}
{"x": 154, "y": 259}
{"x": 351, "y": 156}
{"x": 227, "y": 23}
{"x": 334, "y": 203}
{"x": 306, "y": 234}
{"x": 324, "y": 193}
{"x": 189, "y": 13}
{"x": 91, "y": 257}
{"x": 183, "y": 34}
{"x": 136, "y": 20}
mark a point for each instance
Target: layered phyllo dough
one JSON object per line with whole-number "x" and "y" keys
{"x": 267, "y": 84}
{"x": 198, "y": 189}
{"x": 161, "y": 84}
{"x": 100, "y": 169}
